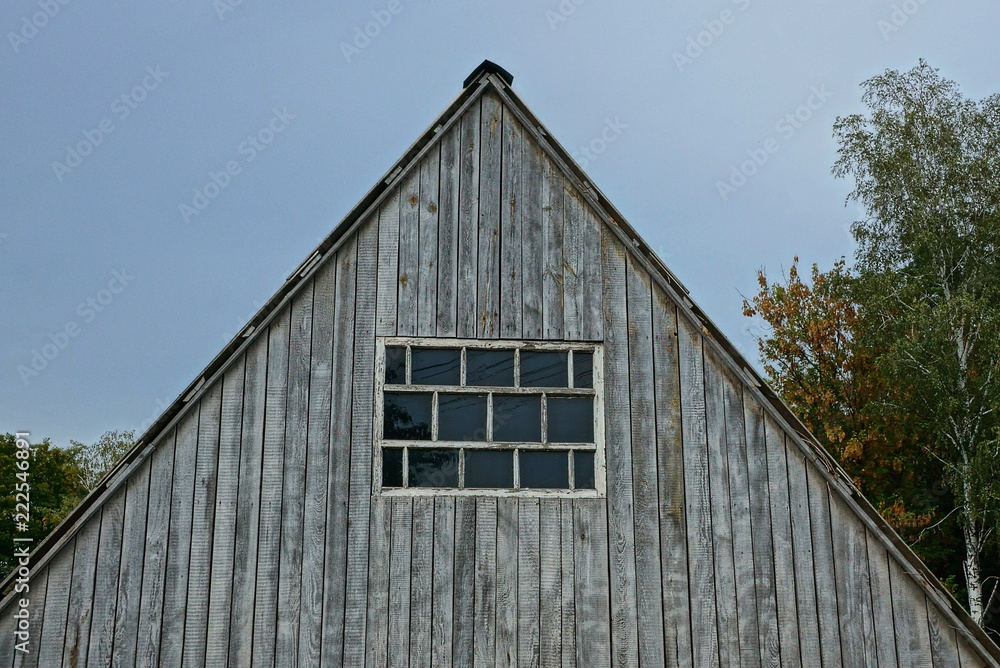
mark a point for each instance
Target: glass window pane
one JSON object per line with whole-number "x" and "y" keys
{"x": 571, "y": 419}
{"x": 544, "y": 470}
{"x": 493, "y": 368}
{"x": 433, "y": 468}
{"x": 395, "y": 365}
{"x": 489, "y": 469}
{"x": 544, "y": 369}
{"x": 583, "y": 470}
{"x": 431, "y": 366}
{"x": 392, "y": 467}
{"x": 461, "y": 417}
{"x": 583, "y": 369}
{"x": 517, "y": 418}
{"x": 407, "y": 416}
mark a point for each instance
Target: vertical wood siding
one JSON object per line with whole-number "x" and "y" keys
{"x": 249, "y": 535}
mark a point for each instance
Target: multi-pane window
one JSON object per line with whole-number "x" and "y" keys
{"x": 489, "y": 417}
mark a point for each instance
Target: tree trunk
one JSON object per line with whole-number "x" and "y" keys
{"x": 973, "y": 574}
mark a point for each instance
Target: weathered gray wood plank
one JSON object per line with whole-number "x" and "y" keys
{"x": 910, "y": 616}
{"x": 175, "y": 588}
{"x": 378, "y": 583}
{"x": 567, "y": 621}
{"x": 468, "y": 224}
{"x": 805, "y": 579}
{"x": 532, "y": 240}
{"x": 853, "y": 587}
{"x": 388, "y": 264}
{"x": 448, "y": 233}
{"x": 130, "y": 574}
{"x": 885, "y": 629}
{"x": 528, "y": 582}
{"x": 617, "y": 437}
{"x": 409, "y": 255}
{"x": 760, "y": 514}
{"x": 421, "y": 567}
{"x": 202, "y": 526}
{"x": 81, "y": 595}
{"x": 511, "y": 278}
{"x": 486, "y": 577}
{"x": 944, "y": 649}
{"x": 970, "y": 658}
{"x": 156, "y": 551}
{"x": 7, "y": 639}
{"x": 269, "y": 535}
{"x": 490, "y": 152}
{"x": 442, "y": 622}
{"x": 427, "y": 283}
{"x": 294, "y": 470}
{"x": 340, "y": 457}
{"x": 670, "y": 483}
{"x": 590, "y": 554}
{"x": 355, "y": 615}
{"x": 739, "y": 498}
{"x": 317, "y": 465}
{"x": 399, "y": 583}
{"x": 645, "y": 486}
{"x": 722, "y": 527}
{"x": 824, "y": 569}
{"x": 781, "y": 538}
{"x": 506, "y": 583}
{"x": 105, "y": 596}
{"x": 226, "y": 495}
{"x": 552, "y": 249}
{"x": 590, "y": 304}
{"x": 52, "y": 631}
{"x": 550, "y": 593}
{"x": 36, "y": 613}
{"x": 704, "y": 632}
{"x": 248, "y": 496}
{"x": 465, "y": 581}
{"x": 573, "y": 271}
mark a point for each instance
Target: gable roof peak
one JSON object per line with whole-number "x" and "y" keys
{"x": 488, "y": 67}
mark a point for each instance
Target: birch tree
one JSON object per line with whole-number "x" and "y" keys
{"x": 925, "y": 162}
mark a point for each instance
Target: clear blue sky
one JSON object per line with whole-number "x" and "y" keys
{"x": 199, "y": 78}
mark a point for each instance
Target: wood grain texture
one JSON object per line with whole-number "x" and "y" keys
{"x": 123, "y": 651}
{"x": 511, "y": 226}
{"x": 567, "y": 537}
{"x": 532, "y": 250}
{"x": 407, "y": 300}
{"x": 824, "y": 569}
{"x": 442, "y": 620}
{"x": 591, "y": 583}
{"x": 399, "y": 583}
{"x": 179, "y": 541}
{"x": 448, "y": 233}
{"x": 944, "y": 648}
{"x": 885, "y": 629}
{"x": 488, "y": 275}
{"x": 155, "y": 557}
{"x": 427, "y": 283}
{"x": 465, "y": 581}
{"x": 247, "y": 529}
{"x": 339, "y": 475}
{"x": 528, "y": 582}
{"x": 484, "y": 615}
{"x": 618, "y": 439}
{"x": 421, "y": 569}
{"x": 670, "y": 477}
{"x": 81, "y": 595}
{"x": 853, "y": 586}
{"x": 379, "y": 563}
{"x": 550, "y": 594}
{"x": 36, "y": 613}
{"x": 51, "y": 632}
{"x": 388, "y": 264}
{"x": 704, "y": 632}
{"x": 805, "y": 579}
{"x": 553, "y": 188}
{"x": 910, "y": 616}
{"x": 506, "y": 582}
{"x": 468, "y": 224}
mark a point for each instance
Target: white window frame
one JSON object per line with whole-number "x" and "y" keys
{"x": 597, "y": 392}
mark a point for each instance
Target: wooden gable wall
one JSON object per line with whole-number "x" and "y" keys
{"x": 249, "y": 535}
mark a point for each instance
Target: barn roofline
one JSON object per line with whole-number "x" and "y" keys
{"x": 491, "y": 77}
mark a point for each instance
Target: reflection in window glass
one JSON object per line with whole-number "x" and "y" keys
{"x": 571, "y": 419}
{"x": 392, "y": 467}
{"x": 583, "y": 369}
{"x": 435, "y": 367}
{"x": 433, "y": 468}
{"x": 461, "y": 417}
{"x": 544, "y": 470}
{"x": 408, "y": 416}
{"x": 489, "y": 367}
{"x": 395, "y": 365}
{"x": 517, "y": 418}
{"x": 489, "y": 469}
{"x": 544, "y": 369}
{"x": 583, "y": 470}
